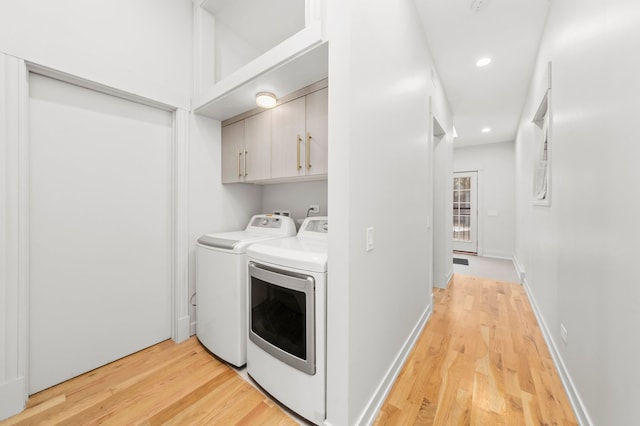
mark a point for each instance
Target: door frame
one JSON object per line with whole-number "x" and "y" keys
{"x": 18, "y": 248}
{"x": 478, "y": 226}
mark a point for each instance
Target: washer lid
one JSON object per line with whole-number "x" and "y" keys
{"x": 260, "y": 228}
{"x": 234, "y": 242}
{"x": 215, "y": 241}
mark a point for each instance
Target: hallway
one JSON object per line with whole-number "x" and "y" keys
{"x": 480, "y": 360}
{"x": 486, "y": 267}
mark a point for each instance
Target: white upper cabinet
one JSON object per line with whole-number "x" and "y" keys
{"x": 246, "y": 149}
{"x": 288, "y": 139}
{"x": 299, "y": 137}
{"x": 257, "y": 147}
{"x": 288, "y": 142}
{"x": 317, "y": 133}
{"x": 244, "y": 47}
{"x": 233, "y": 153}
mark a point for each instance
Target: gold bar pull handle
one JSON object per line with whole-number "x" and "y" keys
{"x": 308, "y": 151}
{"x": 239, "y": 155}
{"x": 298, "y": 151}
{"x": 245, "y": 162}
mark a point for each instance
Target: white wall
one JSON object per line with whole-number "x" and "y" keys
{"x": 443, "y": 202}
{"x": 231, "y": 51}
{"x": 142, "y": 47}
{"x": 579, "y": 254}
{"x": 12, "y": 381}
{"x": 295, "y": 197}
{"x": 379, "y": 157}
{"x": 496, "y": 194}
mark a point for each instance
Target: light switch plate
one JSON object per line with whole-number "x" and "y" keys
{"x": 369, "y": 239}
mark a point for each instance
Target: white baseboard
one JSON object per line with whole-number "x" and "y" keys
{"x": 449, "y": 277}
{"x": 497, "y": 255}
{"x": 375, "y": 403}
{"x": 519, "y": 268}
{"x": 574, "y": 397}
{"x": 12, "y": 399}
{"x": 184, "y": 328}
{"x": 192, "y": 328}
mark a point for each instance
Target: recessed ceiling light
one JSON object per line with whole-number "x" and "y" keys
{"x": 486, "y": 130}
{"x": 266, "y": 100}
{"x": 483, "y": 62}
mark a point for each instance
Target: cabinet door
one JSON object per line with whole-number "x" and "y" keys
{"x": 233, "y": 153}
{"x": 288, "y": 139}
{"x": 257, "y": 147}
{"x": 317, "y": 133}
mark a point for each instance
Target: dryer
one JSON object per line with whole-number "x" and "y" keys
{"x": 221, "y": 286}
{"x": 286, "y": 351}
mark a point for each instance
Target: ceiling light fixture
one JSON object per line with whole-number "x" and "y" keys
{"x": 483, "y": 62}
{"x": 486, "y": 130}
{"x": 266, "y": 100}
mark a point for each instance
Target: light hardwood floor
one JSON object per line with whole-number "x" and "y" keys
{"x": 166, "y": 384}
{"x": 481, "y": 360}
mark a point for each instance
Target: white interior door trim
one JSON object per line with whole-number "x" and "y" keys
{"x": 430, "y": 187}
{"x": 180, "y": 176}
{"x": 20, "y": 251}
{"x": 23, "y": 226}
{"x": 479, "y": 209}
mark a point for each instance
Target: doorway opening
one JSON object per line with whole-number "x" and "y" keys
{"x": 465, "y": 212}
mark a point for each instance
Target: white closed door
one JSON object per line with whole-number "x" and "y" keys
{"x": 465, "y": 212}
{"x": 99, "y": 229}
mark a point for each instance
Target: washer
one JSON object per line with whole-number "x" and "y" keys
{"x": 286, "y": 350}
{"x": 221, "y": 286}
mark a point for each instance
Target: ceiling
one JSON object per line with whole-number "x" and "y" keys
{"x": 460, "y": 32}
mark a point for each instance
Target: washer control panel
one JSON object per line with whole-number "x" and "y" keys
{"x": 266, "y": 221}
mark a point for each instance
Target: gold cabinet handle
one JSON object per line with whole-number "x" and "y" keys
{"x": 245, "y": 162}
{"x": 239, "y": 155}
{"x": 298, "y": 150}
{"x": 308, "y": 151}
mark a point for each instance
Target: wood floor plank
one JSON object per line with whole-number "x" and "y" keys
{"x": 480, "y": 360}
{"x": 152, "y": 387}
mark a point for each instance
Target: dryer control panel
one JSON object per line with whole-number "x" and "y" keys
{"x": 314, "y": 227}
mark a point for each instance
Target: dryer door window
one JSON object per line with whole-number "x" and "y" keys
{"x": 282, "y": 313}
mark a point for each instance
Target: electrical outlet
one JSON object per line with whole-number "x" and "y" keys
{"x": 314, "y": 208}
{"x": 563, "y": 333}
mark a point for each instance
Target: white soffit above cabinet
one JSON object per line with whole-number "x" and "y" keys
{"x": 289, "y": 50}
{"x": 262, "y": 24}
{"x": 296, "y": 63}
